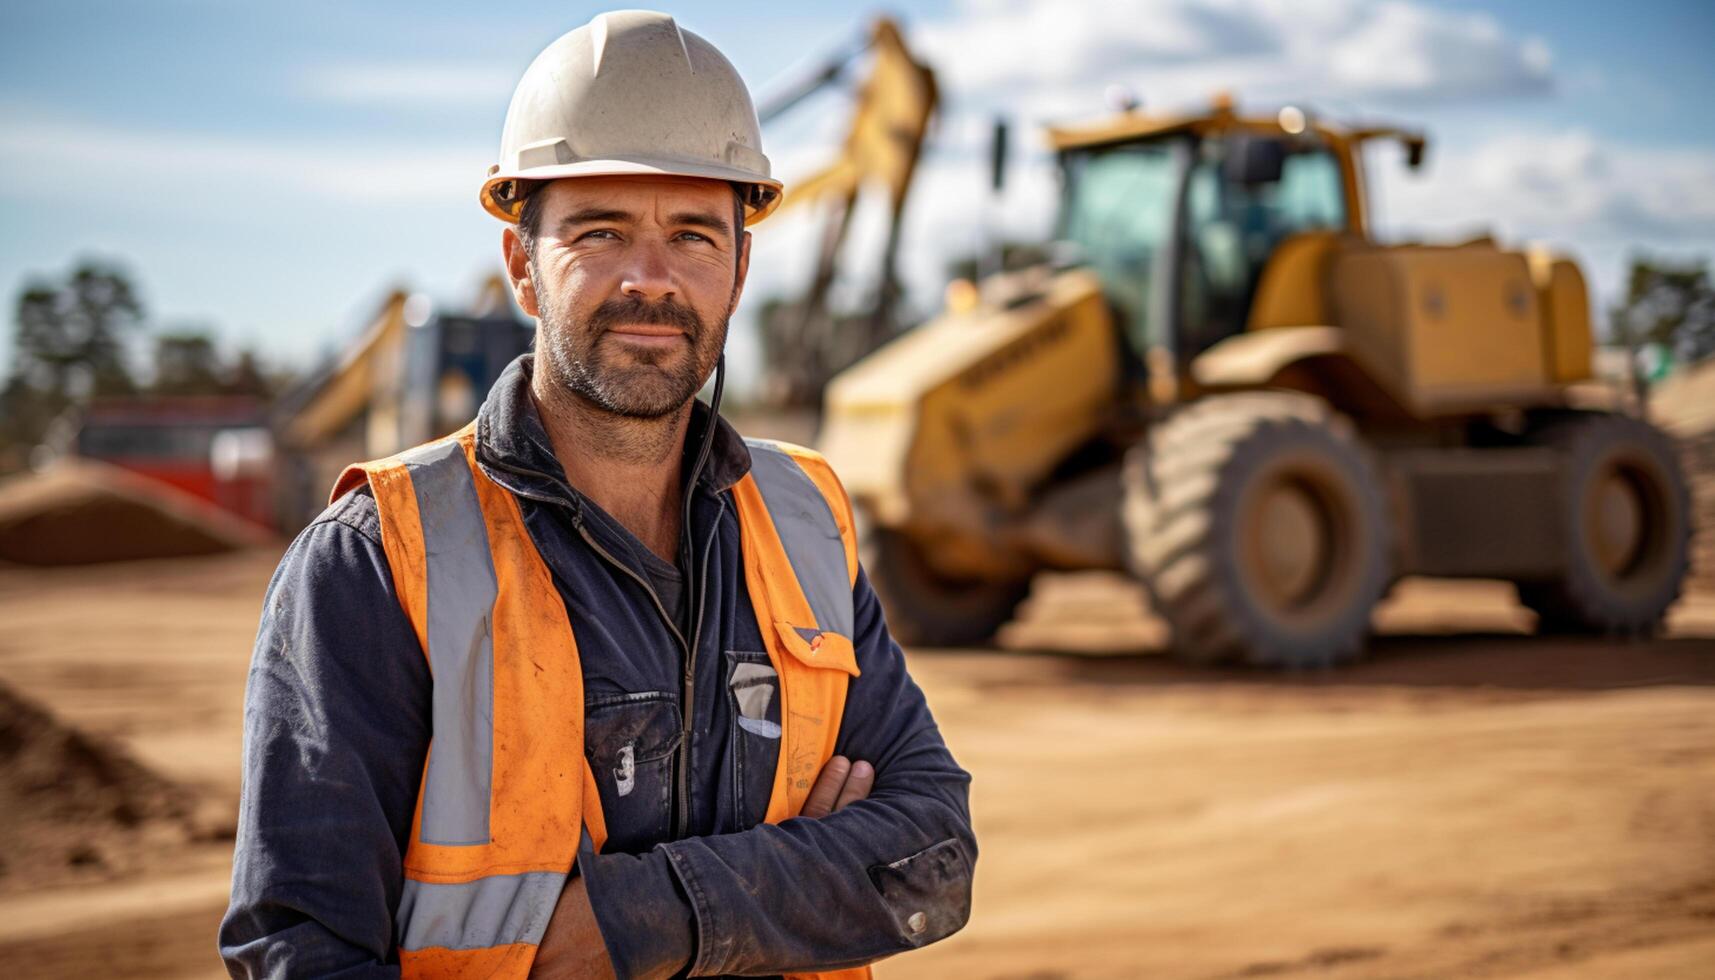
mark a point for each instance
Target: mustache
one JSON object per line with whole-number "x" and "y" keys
{"x": 665, "y": 313}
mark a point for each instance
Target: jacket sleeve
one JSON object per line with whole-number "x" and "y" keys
{"x": 881, "y": 876}
{"x": 336, "y": 724}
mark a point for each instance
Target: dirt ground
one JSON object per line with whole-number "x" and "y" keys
{"x": 1469, "y": 802}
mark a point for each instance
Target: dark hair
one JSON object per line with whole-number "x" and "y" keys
{"x": 530, "y": 216}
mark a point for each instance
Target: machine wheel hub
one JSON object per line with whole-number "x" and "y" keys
{"x": 1616, "y": 520}
{"x": 1292, "y": 539}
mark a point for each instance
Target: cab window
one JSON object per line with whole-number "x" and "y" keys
{"x": 1233, "y": 228}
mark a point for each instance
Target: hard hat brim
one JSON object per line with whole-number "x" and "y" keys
{"x": 771, "y": 189}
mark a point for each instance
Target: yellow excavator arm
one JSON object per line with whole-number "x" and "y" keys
{"x": 804, "y": 342}
{"x": 889, "y": 124}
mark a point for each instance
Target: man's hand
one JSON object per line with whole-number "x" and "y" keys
{"x": 842, "y": 781}
{"x": 572, "y": 947}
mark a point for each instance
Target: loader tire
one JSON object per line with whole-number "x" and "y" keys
{"x": 1257, "y": 525}
{"x": 924, "y": 608}
{"x": 1625, "y": 521}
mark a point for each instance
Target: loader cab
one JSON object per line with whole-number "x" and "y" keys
{"x": 1179, "y": 222}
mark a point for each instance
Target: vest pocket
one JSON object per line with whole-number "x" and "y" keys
{"x": 818, "y": 648}
{"x": 629, "y": 741}
{"x": 753, "y": 700}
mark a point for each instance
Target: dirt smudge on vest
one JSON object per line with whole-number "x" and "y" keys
{"x": 1469, "y": 802}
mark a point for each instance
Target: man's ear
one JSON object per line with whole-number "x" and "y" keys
{"x": 518, "y": 271}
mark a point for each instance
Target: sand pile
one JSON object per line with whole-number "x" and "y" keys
{"x": 72, "y": 805}
{"x": 1685, "y": 406}
{"x": 82, "y": 511}
{"x": 1699, "y": 454}
{"x": 1685, "y": 402}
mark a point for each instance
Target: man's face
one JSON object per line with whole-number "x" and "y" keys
{"x": 632, "y": 281}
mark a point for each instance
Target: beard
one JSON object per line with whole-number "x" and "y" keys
{"x": 631, "y": 383}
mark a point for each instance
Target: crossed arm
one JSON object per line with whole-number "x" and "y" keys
{"x": 572, "y": 948}
{"x": 880, "y": 873}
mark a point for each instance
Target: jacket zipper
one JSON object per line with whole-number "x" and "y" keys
{"x": 640, "y": 580}
{"x": 682, "y": 760}
{"x": 682, "y": 754}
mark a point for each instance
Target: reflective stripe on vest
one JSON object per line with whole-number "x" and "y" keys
{"x": 809, "y": 533}
{"x": 500, "y": 813}
{"x": 462, "y": 588}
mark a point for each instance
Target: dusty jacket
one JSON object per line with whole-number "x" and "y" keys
{"x": 337, "y": 722}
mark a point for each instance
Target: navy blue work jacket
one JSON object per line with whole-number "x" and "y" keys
{"x": 337, "y": 724}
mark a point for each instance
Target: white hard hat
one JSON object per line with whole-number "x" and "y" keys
{"x": 630, "y": 93}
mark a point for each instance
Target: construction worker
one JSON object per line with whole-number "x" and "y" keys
{"x": 594, "y": 686}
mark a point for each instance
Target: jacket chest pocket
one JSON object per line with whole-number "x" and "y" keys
{"x": 629, "y": 740}
{"x": 753, "y": 701}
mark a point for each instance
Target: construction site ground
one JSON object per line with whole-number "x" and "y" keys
{"x": 1470, "y": 801}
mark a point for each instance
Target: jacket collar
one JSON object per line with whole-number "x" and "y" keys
{"x": 513, "y": 444}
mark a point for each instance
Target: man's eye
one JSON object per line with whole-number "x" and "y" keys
{"x": 599, "y": 232}
{"x": 695, "y": 236}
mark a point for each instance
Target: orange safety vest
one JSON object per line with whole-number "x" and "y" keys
{"x": 506, "y": 789}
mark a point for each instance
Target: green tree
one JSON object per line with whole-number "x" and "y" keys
{"x": 69, "y": 346}
{"x": 187, "y": 364}
{"x": 25, "y": 414}
{"x": 71, "y": 335}
{"x": 1668, "y": 304}
{"x": 248, "y": 376}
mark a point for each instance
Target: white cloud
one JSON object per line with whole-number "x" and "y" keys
{"x": 1558, "y": 184}
{"x": 1405, "y": 50}
{"x": 1053, "y": 59}
{"x": 143, "y": 166}
{"x": 424, "y": 86}
{"x": 1009, "y": 43}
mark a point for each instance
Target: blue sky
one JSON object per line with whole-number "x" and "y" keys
{"x": 268, "y": 172}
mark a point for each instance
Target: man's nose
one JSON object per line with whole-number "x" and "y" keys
{"x": 648, "y": 276}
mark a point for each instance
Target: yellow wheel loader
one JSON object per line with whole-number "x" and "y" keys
{"x": 1225, "y": 386}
